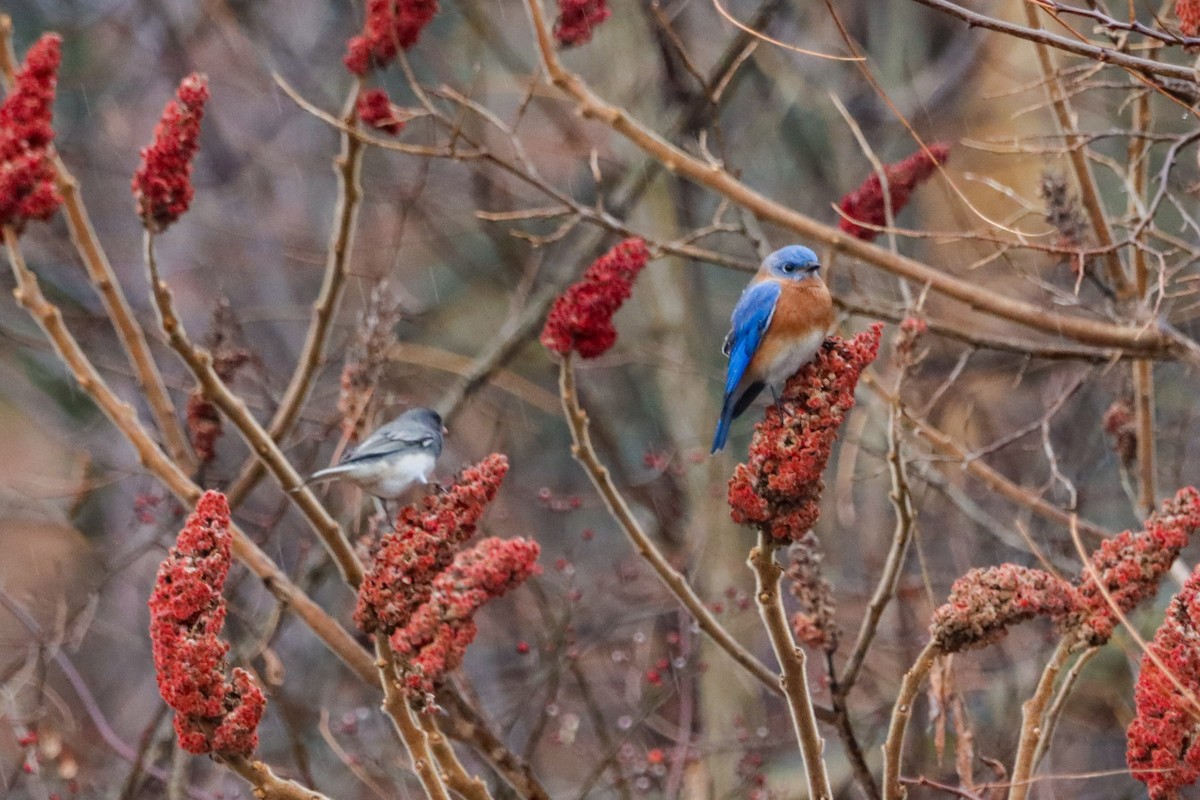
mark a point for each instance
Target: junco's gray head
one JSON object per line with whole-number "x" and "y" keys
{"x": 394, "y": 457}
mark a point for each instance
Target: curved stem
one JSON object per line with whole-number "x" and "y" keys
{"x": 893, "y": 746}
{"x": 199, "y": 361}
{"x": 791, "y": 660}
{"x": 585, "y": 454}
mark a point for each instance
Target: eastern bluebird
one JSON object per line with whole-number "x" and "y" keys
{"x": 783, "y": 316}
{"x": 394, "y": 457}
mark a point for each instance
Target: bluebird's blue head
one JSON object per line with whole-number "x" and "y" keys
{"x": 793, "y": 262}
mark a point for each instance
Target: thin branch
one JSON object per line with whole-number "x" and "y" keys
{"x": 893, "y": 746}
{"x": 199, "y": 361}
{"x": 1077, "y": 154}
{"x": 901, "y": 499}
{"x": 1142, "y": 339}
{"x": 791, "y": 660}
{"x": 1102, "y": 55}
{"x": 348, "y": 166}
{"x": 1033, "y": 713}
{"x": 1050, "y": 720}
{"x": 585, "y": 454}
{"x": 946, "y": 446}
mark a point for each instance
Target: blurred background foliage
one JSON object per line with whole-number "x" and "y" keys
{"x": 593, "y": 673}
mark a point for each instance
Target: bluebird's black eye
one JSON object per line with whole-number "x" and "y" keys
{"x": 789, "y": 268}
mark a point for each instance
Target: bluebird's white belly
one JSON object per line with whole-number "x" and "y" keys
{"x": 389, "y": 477}
{"x": 790, "y": 359}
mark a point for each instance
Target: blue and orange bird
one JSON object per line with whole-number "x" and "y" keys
{"x": 782, "y": 318}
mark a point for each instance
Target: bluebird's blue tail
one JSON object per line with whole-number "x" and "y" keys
{"x": 722, "y": 433}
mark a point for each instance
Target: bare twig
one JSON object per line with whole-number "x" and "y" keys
{"x": 1054, "y": 713}
{"x": 347, "y": 166}
{"x": 794, "y": 680}
{"x": 1077, "y": 155}
{"x": 471, "y": 787}
{"x": 886, "y": 588}
{"x": 893, "y": 746}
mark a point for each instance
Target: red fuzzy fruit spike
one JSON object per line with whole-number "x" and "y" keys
{"x": 985, "y": 603}
{"x": 581, "y": 318}
{"x": 27, "y": 175}
{"x": 162, "y": 185}
{"x": 421, "y": 545}
{"x": 187, "y": 613}
{"x": 866, "y": 204}
{"x": 1131, "y": 564}
{"x": 1188, "y": 12}
{"x": 390, "y": 26}
{"x": 436, "y": 638}
{"x": 577, "y": 19}
{"x": 1164, "y": 738}
{"x": 778, "y": 490}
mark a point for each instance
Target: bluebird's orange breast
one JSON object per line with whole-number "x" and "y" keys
{"x": 802, "y": 319}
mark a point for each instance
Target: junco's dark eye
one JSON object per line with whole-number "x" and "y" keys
{"x": 426, "y": 442}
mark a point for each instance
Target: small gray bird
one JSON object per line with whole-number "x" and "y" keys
{"x": 394, "y": 457}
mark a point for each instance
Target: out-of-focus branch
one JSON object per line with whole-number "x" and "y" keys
{"x": 893, "y": 746}
{"x": 267, "y": 785}
{"x": 1143, "y": 371}
{"x": 791, "y": 660}
{"x": 1054, "y": 713}
{"x": 104, "y": 280}
{"x": 585, "y": 454}
{"x": 199, "y": 361}
{"x": 395, "y": 705}
{"x": 1077, "y": 154}
{"x": 946, "y": 446}
{"x": 1101, "y": 55}
{"x": 1141, "y": 339}
{"x": 347, "y": 166}
{"x": 1033, "y": 713}
{"x": 465, "y": 725}
{"x": 886, "y": 588}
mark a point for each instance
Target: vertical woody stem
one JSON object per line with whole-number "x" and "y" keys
{"x": 395, "y": 705}
{"x": 893, "y": 746}
{"x": 791, "y": 660}
{"x": 1143, "y": 375}
{"x": 1033, "y": 714}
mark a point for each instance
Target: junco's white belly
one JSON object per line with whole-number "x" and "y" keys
{"x": 389, "y": 477}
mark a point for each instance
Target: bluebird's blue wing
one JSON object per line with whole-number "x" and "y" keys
{"x": 751, "y": 317}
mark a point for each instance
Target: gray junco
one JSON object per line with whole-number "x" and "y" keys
{"x": 394, "y": 457}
